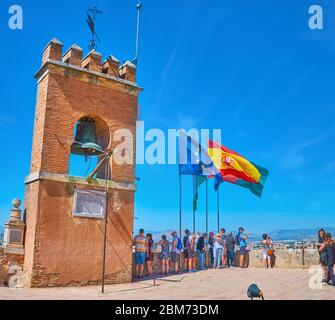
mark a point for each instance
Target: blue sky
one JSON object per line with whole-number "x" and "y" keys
{"x": 252, "y": 68}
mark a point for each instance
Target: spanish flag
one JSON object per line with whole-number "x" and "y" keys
{"x": 236, "y": 169}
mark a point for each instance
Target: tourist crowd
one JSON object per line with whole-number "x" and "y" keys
{"x": 200, "y": 251}
{"x": 217, "y": 251}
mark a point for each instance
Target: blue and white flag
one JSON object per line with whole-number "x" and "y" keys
{"x": 193, "y": 158}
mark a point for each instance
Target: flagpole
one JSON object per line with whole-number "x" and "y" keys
{"x": 107, "y": 172}
{"x": 218, "y": 206}
{"x": 180, "y": 207}
{"x": 139, "y": 9}
{"x": 180, "y": 214}
{"x": 206, "y": 252}
{"x": 180, "y": 197}
{"x": 194, "y": 221}
{"x": 207, "y": 206}
{"x": 195, "y": 200}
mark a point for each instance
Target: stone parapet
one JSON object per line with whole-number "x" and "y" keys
{"x": 10, "y": 259}
{"x": 287, "y": 259}
{"x": 284, "y": 259}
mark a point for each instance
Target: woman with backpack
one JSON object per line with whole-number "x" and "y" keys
{"x": 150, "y": 247}
{"x": 189, "y": 252}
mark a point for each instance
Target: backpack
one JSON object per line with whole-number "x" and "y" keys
{"x": 237, "y": 240}
{"x": 179, "y": 245}
{"x": 153, "y": 247}
{"x": 324, "y": 258}
{"x": 186, "y": 243}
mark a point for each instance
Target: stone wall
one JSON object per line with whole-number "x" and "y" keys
{"x": 291, "y": 258}
{"x": 9, "y": 258}
{"x": 284, "y": 259}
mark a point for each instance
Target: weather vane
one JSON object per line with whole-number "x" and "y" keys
{"x": 91, "y": 18}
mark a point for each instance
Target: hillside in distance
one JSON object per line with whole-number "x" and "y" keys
{"x": 276, "y": 235}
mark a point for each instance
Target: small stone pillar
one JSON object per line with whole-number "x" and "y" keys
{"x": 14, "y": 228}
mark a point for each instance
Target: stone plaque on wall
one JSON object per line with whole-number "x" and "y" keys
{"x": 89, "y": 204}
{"x": 15, "y": 236}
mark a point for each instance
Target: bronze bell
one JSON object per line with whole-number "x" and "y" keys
{"x": 86, "y": 141}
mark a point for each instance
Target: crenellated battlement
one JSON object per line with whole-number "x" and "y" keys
{"x": 93, "y": 61}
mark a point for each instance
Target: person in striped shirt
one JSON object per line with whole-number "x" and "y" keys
{"x": 140, "y": 253}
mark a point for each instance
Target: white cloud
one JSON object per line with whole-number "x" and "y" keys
{"x": 292, "y": 160}
{"x": 294, "y": 157}
{"x": 187, "y": 121}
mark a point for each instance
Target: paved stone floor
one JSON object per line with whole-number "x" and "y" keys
{"x": 277, "y": 284}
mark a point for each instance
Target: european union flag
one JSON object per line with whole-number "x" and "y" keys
{"x": 193, "y": 158}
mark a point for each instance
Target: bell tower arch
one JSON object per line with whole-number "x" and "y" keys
{"x": 92, "y": 130}
{"x": 62, "y": 247}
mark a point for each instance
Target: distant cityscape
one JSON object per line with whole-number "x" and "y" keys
{"x": 296, "y": 239}
{"x": 283, "y": 239}
{"x": 285, "y": 245}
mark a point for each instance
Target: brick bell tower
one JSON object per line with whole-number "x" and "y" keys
{"x": 64, "y": 239}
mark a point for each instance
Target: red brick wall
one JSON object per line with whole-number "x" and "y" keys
{"x": 67, "y": 101}
{"x": 68, "y": 250}
{"x": 39, "y": 123}
{"x": 32, "y": 205}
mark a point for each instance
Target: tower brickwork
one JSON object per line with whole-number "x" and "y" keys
{"x": 61, "y": 249}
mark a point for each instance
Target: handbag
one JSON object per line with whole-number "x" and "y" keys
{"x": 153, "y": 248}
{"x": 324, "y": 258}
{"x": 270, "y": 252}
